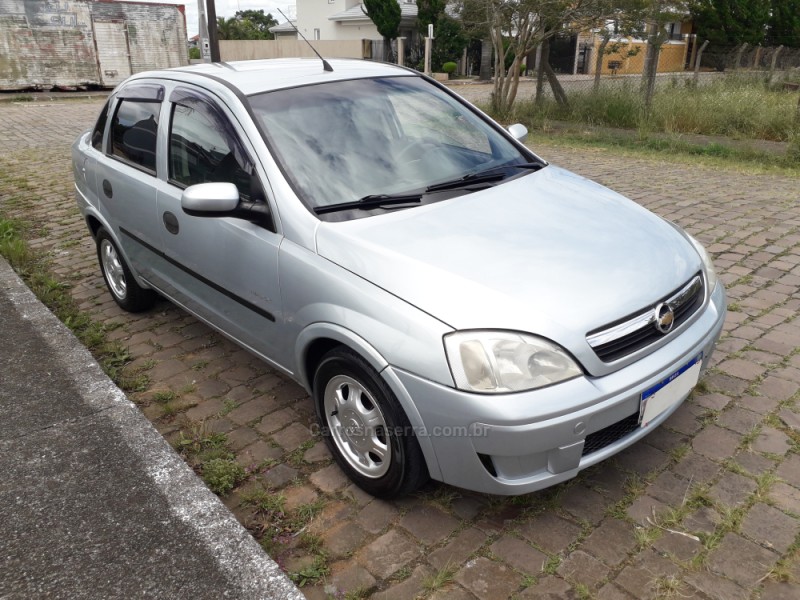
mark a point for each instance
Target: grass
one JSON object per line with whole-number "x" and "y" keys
{"x": 222, "y": 474}
{"x": 439, "y": 579}
{"x": 34, "y": 269}
{"x": 742, "y": 108}
{"x": 670, "y": 149}
{"x": 265, "y": 501}
{"x": 165, "y": 396}
{"x": 209, "y": 454}
{"x": 667, "y": 586}
{"x": 228, "y": 405}
{"x": 737, "y": 108}
{"x": 312, "y": 573}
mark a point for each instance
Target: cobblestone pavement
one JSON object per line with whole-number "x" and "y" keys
{"x": 707, "y": 506}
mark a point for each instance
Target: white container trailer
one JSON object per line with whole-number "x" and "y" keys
{"x": 74, "y": 43}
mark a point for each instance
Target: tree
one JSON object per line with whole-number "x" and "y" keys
{"x": 386, "y": 16}
{"x": 729, "y": 23}
{"x": 657, "y": 15}
{"x": 784, "y": 24}
{"x": 472, "y": 14}
{"x": 227, "y": 28}
{"x": 258, "y": 21}
{"x": 449, "y": 41}
{"x": 517, "y": 27}
{"x": 618, "y": 19}
{"x": 246, "y": 25}
{"x": 428, "y": 13}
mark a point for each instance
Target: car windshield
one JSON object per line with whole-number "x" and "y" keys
{"x": 344, "y": 141}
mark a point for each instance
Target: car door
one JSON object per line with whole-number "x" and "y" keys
{"x": 126, "y": 173}
{"x": 224, "y": 269}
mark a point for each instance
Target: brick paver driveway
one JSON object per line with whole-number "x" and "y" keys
{"x": 707, "y": 506}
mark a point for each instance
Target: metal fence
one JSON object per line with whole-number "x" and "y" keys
{"x": 776, "y": 67}
{"x": 749, "y": 57}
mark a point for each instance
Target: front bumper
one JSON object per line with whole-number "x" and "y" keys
{"x": 519, "y": 443}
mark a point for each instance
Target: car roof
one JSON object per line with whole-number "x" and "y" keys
{"x": 255, "y": 76}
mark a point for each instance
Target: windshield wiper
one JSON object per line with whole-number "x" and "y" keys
{"x": 370, "y": 202}
{"x": 380, "y": 200}
{"x": 491, "y": 174}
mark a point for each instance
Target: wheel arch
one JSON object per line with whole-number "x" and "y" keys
{"x": 317, "y": 339}
{"x": 94, "y": 225}
{"x": 95, "y": 222}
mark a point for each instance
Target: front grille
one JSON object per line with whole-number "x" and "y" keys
{"x": 632, "y": 333}
{"x": 607, "y": 436}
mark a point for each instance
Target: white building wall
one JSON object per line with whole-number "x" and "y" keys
{"x": 314, "y": 14}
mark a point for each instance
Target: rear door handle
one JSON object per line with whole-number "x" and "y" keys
{"x": 107, "y": 189}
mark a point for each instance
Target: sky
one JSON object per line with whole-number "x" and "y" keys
{"x": 227, "y": 8}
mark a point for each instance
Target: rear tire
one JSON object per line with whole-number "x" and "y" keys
{"x": 365, "y": 427}
{"x": 128, "y": 294}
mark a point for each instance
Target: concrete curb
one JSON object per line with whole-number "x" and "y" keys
{"x": 250, "y": 572}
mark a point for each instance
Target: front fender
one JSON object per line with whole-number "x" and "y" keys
{"x": 317, "y": 331}
{"x": 342, "y": 335}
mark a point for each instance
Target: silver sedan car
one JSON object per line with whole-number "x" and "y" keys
{"x": 458, "y": 308}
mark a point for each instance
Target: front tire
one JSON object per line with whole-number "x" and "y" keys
{"x": 365, "y": 427}
{"x": 128, "y": 294}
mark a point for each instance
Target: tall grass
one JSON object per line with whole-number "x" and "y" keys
{"x": 734, "y": 107}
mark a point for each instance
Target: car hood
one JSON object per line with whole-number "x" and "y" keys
{"x": 549, "y": 253}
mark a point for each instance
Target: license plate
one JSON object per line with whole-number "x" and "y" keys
{"x": 670, "y": 391}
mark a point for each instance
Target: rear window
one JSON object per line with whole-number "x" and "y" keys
{"x": 133, "y": 133}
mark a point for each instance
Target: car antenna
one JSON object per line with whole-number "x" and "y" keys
{"x": 325, "y": 64}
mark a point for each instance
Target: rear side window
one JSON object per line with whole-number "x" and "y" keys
{"x": 100, "y": 128}
{"x": 133, "y": 133}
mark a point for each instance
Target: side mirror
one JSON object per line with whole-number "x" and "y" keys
{"x": 519, "y": 132}
{"x": 210, "y": 199}
{"x": 221, "y": 199}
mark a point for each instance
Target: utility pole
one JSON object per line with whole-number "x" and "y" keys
{"x": 213, "y": 42}
{"x": 202, "y": 25}
{"x": 428, "y": 40}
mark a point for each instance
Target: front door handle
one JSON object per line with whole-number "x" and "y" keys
{"x": 171, "y": 223}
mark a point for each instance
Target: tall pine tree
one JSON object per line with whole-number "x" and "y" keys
{"x": 386, "y": 16}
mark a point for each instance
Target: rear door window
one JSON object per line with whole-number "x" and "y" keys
{"x": 134, "y": 133}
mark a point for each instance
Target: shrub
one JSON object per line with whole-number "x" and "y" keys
{"x": 449, "y": 67}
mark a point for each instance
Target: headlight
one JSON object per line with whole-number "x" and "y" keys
{"x": 711, "y": 274}
{"x": 495, "y": 362}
